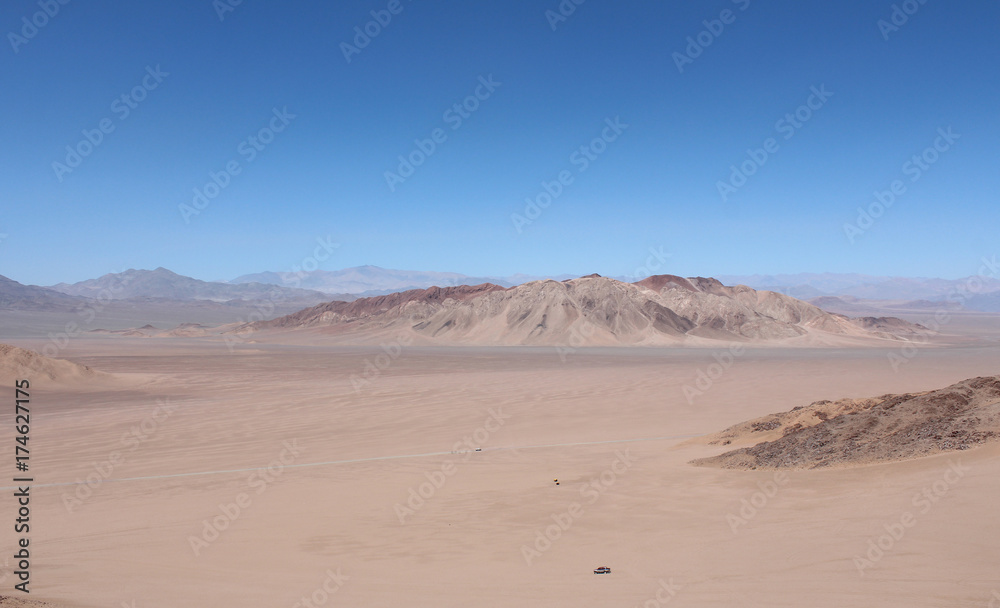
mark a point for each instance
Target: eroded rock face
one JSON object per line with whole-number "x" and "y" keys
{"x": 592, "y": 310}
{"x": 865, "y": 431}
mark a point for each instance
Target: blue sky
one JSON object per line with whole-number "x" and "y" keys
{"x": 219, "y": 81}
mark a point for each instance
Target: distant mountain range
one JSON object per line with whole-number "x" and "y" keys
{"x": 372, "y": 280}
{"x": 15, "y": 296}
{"x": 365, "y": 281}
{"x": 987, "y": 302}
{"x": 162, "y": 283}
{"x": 811, "y": 285}
{"x": 845, "y": 293}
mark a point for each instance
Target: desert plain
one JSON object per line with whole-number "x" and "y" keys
{"x": 187, "y": 473}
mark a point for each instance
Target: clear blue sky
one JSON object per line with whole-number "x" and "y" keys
{"x": 656, "y": 185}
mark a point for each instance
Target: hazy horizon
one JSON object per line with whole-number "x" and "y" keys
{"x": 661, "y": 271}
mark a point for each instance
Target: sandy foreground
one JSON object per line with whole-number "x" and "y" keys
{"x": 193, "y": 426}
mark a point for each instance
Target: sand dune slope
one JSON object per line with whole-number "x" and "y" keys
{"x": 20, "y": 363}
{"x": 15, "y": 361}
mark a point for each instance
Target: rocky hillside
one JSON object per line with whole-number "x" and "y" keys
{"x": 662, "y": 309}
{"x": 864, "y": 431}
{"x": 15, "y": 296}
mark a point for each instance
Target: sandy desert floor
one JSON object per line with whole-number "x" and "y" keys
{"x": 293, "y": 482}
